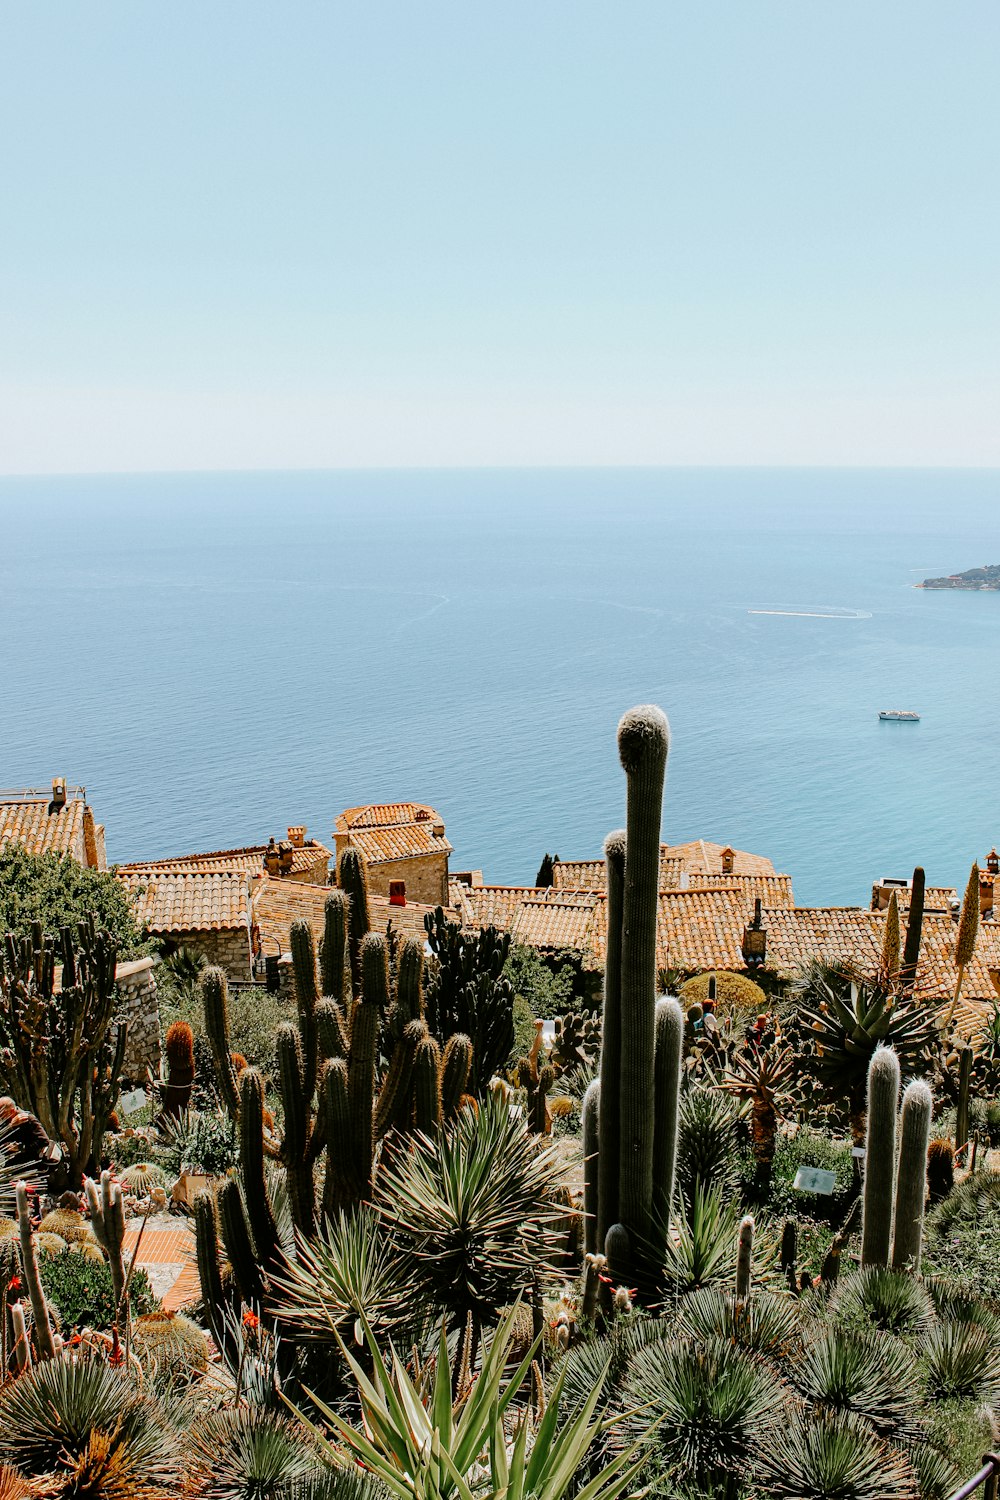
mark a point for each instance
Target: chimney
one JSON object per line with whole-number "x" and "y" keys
{"x": 271, "y": 858}
{"x": 285, "y": 858}
{"x": 728, "y": 856}
{"x": 58, "y": 792}
{"x": 397, "y": 892}
{"x": 297, "y": 836}
{"x": 437, "y": 829}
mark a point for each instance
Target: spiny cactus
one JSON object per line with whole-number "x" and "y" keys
{"x": 880, "y": 1157}
{"x": 175, "y": 1092}
{"x": 170, "y": 1344}
{"x": 215, "y": 1001}
{"x": 962, "y": 1111}
{"x": 107, "y": 1219}
{"x": 469, "y": 992}
{"x": 669, "y": 1063}
{"x": 537, "y": 1083}
{"x": 577, "y": 1040}
{"x": 590, "y": 1120}
{"x": 29, "y": 1262}
{"x": 911, "y": 1176}
{"x": 789, "y": 1253}
{"x": 352, "y": 878}
{"x": 744, "y": 1255}
{"x": 940, "y": 1169}
{"x": 610, "y": 1076}
{"x": 61, "y": 1045}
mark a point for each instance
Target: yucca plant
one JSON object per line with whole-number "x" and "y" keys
{"x": 349, "y": 1270}
{"x": 80, "y": 1418}
{"x": 471, "y": 1210}
{"x": 707, "y": 1400}
{"x": 701, "y": 1250}
{"x": 876, "y": 1298}
{"x": 766, "y": 1323}
{"x": 830, "y": 1456}
{"x": 706, "y": 1139}
{"x": 843, "y": 1018}
{"x": 248, "y": 1453}
{"x": 962, "y": 1361}
{"x": 869, "y": 1375}
{"x": 422, "y": 1444}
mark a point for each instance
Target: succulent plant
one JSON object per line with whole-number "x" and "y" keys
{"x": 172, "y": 1343}
{"x": 141, "y": 1177}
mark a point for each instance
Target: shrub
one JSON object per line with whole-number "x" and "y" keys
{"x": 706, "y": 1142}
{"x": 205, "y": 1140}
{"x": 548, "y": 989}
{"x": 735, "y": 994}
{"x": 806, "y": 1148}
{"x": 82, "y": 1290}
{"x": 60, "y": 893}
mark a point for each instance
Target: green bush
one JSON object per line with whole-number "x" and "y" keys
{"x": 82, "y": 1291}
{"x": 58, "y": 892}
{"x": 806, "y": 1148}
{"x": 205, "y": 1140}
{"x": 126, "y": 1150}
{"x": 549, "y": 989}
{"x": 735, "y": 994}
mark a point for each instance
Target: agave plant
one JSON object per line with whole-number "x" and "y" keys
{"x": 962, "y": 1361}
{"x": 766, "y": 1323}
{"x": 472, "y": 1210}
{"x": 876, "y": 1298}
{"x": 81, "y": 1422}
{"x": 843, "y": 1017}
{"x": 247, "y": 1453}
{"x": 422, "y": 1444}
{"x": 708, "y": 1398}
{"x": 869, "y": 1375}
{"x": 348, "y": 1271}
{"x": 706, "y": 1137}
{"x": 701, "y": 1250}
{"x": 831, "y": 1454}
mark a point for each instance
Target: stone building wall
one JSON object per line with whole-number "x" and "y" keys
{"x": 425, "y": 876}
{"x": 229, "y": 948}
{"x": 139, "y": 1008}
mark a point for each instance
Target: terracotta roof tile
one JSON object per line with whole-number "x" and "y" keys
{"x": 42, "y": 830}
{"x": 249, "y": 858}
{"x": 591, "y": 874}
{"x": 488, "y": 905}
{"x": 771, "y": 890}
{"x": 398, "y": 841}
{"x": 701, "y": 857}
{"x": 192, "y": 901}
{"x": 386, "y": 815}
{"x": 555, "y": 919}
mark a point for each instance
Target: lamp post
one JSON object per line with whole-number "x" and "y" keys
{"x": 754, "y": 945}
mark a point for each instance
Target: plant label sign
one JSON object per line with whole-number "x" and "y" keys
{"x": 814, "y": 1180}
{"x": 133, "y": 1101}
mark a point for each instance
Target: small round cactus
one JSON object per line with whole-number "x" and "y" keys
{"x": 67, "y": 1223}
{"x": 50, "y": 1244}
{"x": 173, "y": 1343}
{"x": 141, "y": 1177}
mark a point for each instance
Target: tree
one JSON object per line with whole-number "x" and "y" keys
{"x": 57, "y": 892}
{"x": 544, "y": 876}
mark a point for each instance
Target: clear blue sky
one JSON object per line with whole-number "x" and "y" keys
{"x": 316, "y": 234}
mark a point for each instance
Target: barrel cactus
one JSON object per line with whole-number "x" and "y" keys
{"x": 171, "y": 1343}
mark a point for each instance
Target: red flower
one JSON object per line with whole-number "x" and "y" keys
{"x": 14, "y": 1284}
{"x": 250, "y": 1319}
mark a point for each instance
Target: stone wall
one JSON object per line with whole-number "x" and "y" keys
{"x": 425, "y": 876}
{"x": 139, "y": 1008}
{"x": 229, "y": 948}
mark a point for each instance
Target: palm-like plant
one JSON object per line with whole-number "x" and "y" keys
{"x": 842, "y": 1019}
{"x": 830, "y": 1456}
{"x": 709, "y": 1399}
{"x": 701, "y": 1250}
{"x": 422, "y": 1444}
{"x": 77, "y": 1420}
{"x": 471, "y": 1210}
{"x": 761, "y": 1072}
{"x": 348, "y": 1271}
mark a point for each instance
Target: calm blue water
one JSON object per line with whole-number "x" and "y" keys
{"x": 216, "y": 657}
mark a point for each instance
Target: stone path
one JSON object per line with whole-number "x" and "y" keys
{"x": 167, "y": 1255}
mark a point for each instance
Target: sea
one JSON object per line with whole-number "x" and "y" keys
{"x": 218, "y": 656}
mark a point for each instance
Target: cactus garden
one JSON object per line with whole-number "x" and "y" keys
{"x": 695, "y": 1240}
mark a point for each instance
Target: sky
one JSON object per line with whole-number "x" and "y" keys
{"x": 402, "y": 232}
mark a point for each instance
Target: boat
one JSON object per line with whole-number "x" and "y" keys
{"x": 899, "y": 716}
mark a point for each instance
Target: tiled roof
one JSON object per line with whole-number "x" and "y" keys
{"x": 398, "y": 841}
{"x": 192, "y": 901}
{"x": 42, "y": 830}
{"x": 278, "y": 903}
{"x": 386, "y": 815}
{"x": 770, "y": 890}
{"x": 249, "y": 858}
{"x": 701, "y": 857}
{"x": 488, "y": 905}
{"x": 556, "y": 919}
{"x": 591, "y": 874}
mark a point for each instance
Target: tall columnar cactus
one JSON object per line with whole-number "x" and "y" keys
{"x": 611, "y": 1040}
{"x": 175, "y": 1092}
{"x": 352, "y": 878}
{"x": 470, "y": 993}
{"x": 889, "y": 962}
{"x": 744, "y": 1255}
{"x": 643, "y": 740}
{"x": 911, "y": 1176}
{"x": 914, "y": 930}
{"x": 215, "y": 1001}
{"x": 333, "y": 954}
{"x": 668, "y": 1065}
{"x": 962, "y": 1111}
{"x": 880, "y": 1157}
{"x": 536, "y": 1079}
{"x": 591, "y": 1161}
{"x": 29, "y": 1261}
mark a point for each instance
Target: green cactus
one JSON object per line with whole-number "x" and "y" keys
{"x": 107, "y": 1219}
{"x": 215, "y": 998}
{"x": 238, "y": 1244}
{"x": 428, "y": 1109}
{"x": 456, "y": 1068}
{"x": 789, "y": 1253}
{"x": 962, "y": 1112}
{"x": 577, "y": 1040}
{"x": 263, "y": 1228}
{"x": 537, "y": 1083}
{"x": 914, "y": 931}
{"x": 911, "y": 1176}
{"x": 880, "y": 1157}
{"x": 333, "y": 952}
{"x": 610, "y": 1075}
{"x": 470, "y": 993}
{"x": 352, "y": 877}
{"x": 590, "y": 1120}
{"x": 306, "y": 999}
{"x": 744, "y": 1256}
{"x": 44, "y": 1342}
{"x": 668, "y": 1065}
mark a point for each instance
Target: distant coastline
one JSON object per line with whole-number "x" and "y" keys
{"x": 987, "y": 578}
